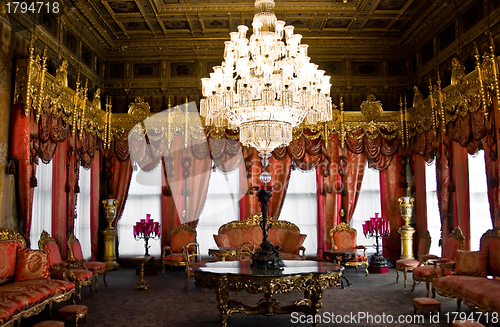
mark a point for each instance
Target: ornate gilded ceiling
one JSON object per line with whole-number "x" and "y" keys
{"x": 129, "y": 21}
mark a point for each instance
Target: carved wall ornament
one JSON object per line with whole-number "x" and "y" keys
{"x": 371, "y": 108}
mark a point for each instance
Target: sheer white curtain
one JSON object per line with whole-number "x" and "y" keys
{"x": 42, "y": 204}
{"x": 144, "y": 197}
{"x": 368, "y": 204}
{"x": 480, "y": 220}
{"x": 221, "y": 206}
{"x": 300, "y": 207}
{"x": 433, "y": 219}
{"x": 82, "y": 222}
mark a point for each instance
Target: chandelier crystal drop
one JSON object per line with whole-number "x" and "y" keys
{"x": 266, "y": 85}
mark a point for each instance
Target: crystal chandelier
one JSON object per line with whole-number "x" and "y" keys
{"x": 266, "y": 85}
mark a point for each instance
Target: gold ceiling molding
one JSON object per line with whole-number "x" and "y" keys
{"x": 39, "y": 91}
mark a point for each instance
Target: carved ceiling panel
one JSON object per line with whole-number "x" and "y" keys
{"x": 133, "y": 20}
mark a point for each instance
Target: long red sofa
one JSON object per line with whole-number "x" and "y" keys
{"x": 25, "y": 284}
{"x": 476, "y": 277}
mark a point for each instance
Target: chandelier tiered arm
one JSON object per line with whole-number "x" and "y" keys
{"x": 266, "y": 86}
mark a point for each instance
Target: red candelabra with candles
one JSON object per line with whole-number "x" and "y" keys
{"x": 378, "y": 228}
{"x": 147, "y": 229}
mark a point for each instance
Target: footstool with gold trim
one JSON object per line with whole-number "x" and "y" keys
{"x": 50, "y": 323}
{"x": 466, "y": 323}
{"x": 426, "y": 304}
{"x": 74, "y": 312}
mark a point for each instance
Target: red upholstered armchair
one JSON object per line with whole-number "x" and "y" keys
{"x": 183, "y": 237}
{"x": 449, "y": 251}
{"x": 405, "y": 265}
{"x": 80, "y": 277}
{"x": 75, "y": 255}
{"x": 344, "y": 238}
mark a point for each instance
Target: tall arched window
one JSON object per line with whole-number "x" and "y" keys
{"x": 42, "y": 203}
{"x": 144, "y": 196}
{"x": 82, "y": 222}
{"x": 221, "y": 206}
{"x": 368, "y": 204}
{"x": 433, "y": 219}
{"x": 300, "y": 207}
{"x": 480, "y": 219}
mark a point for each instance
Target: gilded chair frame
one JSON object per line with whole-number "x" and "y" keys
{"x": 456, "y": 234}
{"x": 10, "y": 235}
{"x": 345, "y": 227}
{"x": 423, "y": 259}
{"x": 166, "y": 250}
{"x": 189, "y": 257}
{"x": 66, "y": 266}
{"x": 71, "y": 259}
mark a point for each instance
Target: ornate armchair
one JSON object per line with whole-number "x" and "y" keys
{"x": 449, "y": 253}
{"x": 406, "y": 265}
{"x": 183, "y": 236}
{"x": 344, "y": 238}
{"x": 75, "y": 256}
{"x": 80, "y": 277}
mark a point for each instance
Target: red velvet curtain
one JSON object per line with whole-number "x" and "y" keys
{"x": 329, "y": 189}
{"x": 445, "y": 185}
{"x": 94, "y": 205}
{"x": 420, "y": 207}
{"x": 492, "y": 163}
{"x": 20, "y": 152}
{"x": 119, "y": 183}
{"x": 59, "y": 197}
{"x": 390, "y": 192}
{"x": 186, "y": 175}
{"x": 354, "y": 172}
{"x": 461, "y": 174}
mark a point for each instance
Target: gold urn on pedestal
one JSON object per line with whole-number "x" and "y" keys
{"x": 110, "y": 234}
{"x": 406, "y": 231}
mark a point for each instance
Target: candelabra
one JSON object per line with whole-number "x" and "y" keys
{"x": 378, "y": 228}
{"x": 147, "y": 229}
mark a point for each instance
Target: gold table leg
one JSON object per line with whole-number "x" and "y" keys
{"x": 141, "y": 284}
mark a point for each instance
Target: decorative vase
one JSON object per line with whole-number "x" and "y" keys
{"x": 110, "y": 234}
{"x": 406, "y": 231}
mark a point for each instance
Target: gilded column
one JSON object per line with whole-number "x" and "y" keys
{"x": 7, "y": 216}
{"x": 406, "y": 231}
{"x": 110, "y": 234}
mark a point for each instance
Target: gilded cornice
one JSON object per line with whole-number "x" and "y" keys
{"x": 39, "y": 91}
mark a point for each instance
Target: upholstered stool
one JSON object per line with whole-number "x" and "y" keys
{"x": 74, "y": 312}
{"x": 50, "y": 323}
{"x": 426, "y": 304}
{"x": 466, "y": 323}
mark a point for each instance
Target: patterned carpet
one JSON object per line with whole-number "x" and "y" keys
{"x": 166, "y": 305}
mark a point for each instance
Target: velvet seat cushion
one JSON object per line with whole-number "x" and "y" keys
{"x": 82, "y": 274}
{"x": 480, "y": 290}
{"x": 407, "y": 263}
{"x": 19, "y": 296}
{"x": 73, "y": 310}
{"x": 95, "y": 265}
{"x": 427, "y": 271}
{"x": 174, "y": 257}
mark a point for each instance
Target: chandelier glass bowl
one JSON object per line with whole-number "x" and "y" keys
{"x": 266, "y": 84}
